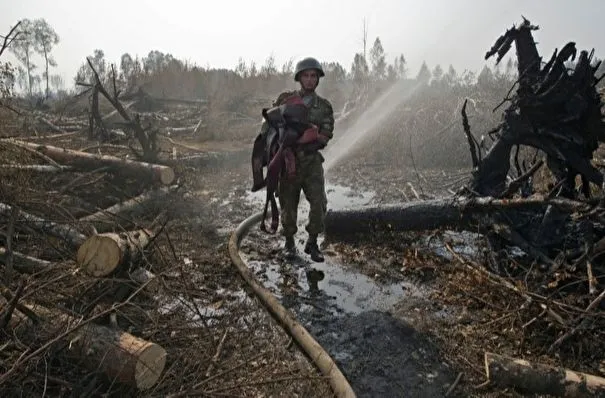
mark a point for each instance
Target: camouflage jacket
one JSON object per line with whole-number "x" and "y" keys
{"x": 320, "y": 112}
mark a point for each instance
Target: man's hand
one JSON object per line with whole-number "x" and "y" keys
{"x": 312, "y": 139}
{"x": 323, "y": 139}
{"x": 310, "y": 135}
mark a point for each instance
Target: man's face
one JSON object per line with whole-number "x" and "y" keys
{"x": 309, "y": 79}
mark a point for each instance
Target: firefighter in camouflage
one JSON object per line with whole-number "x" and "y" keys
{"x": 309, "y": 163}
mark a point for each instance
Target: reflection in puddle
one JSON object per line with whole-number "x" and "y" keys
{"x": 329, "y": 285}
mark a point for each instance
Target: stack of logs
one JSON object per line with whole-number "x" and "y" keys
{"x": 120, "y": 355}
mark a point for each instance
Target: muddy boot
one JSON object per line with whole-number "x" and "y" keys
{"x": 290, "y": 247}
{"x": 312, "y": 249}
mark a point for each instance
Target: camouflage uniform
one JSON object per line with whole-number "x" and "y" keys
{"x": 309, "y": 171}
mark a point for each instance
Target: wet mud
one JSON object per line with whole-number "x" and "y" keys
{"x": 367, "y": 326}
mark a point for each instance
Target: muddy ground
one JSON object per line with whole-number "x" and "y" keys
{"x": 378, "y": 311}
{"x": 400, "y": 314}
{"x": 403, "y": 314}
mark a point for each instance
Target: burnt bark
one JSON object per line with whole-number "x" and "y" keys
{"x": 462, "y": 213}
{"x": 554, "y": 110}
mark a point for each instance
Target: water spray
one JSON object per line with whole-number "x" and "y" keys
{"x": 366, "y": 123}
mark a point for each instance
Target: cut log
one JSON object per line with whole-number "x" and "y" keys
{"x": 119, "y": 355}
{"x": 43, "y": 168}
{"x": 24, "y": 263}
{"x": 537, "y": 378}
{"x": 102, "y": 254}
{"x": 87, "y": 161}
{"x": 107, "y": 218}
{"x": 430, "y": 214}
{"x": 65, "y": 232}
{"x": 50, "y": 125}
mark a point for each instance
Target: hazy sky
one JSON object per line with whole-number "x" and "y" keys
{"x": 217, "y": 32}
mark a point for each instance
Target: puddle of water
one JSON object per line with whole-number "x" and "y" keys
{"x": 339, "y": 197}
{"x": 338, "y": 290}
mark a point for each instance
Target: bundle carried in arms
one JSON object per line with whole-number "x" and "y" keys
{"x": 286, "y": 126}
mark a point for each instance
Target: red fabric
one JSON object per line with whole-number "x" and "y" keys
{"x": 290, "y": 163}
{"x": 294, "y": 100}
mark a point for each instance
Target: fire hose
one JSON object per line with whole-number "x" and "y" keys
{"x": 318, "y": 355}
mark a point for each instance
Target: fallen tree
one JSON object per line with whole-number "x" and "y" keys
{"x": 557, "y": 112}
{"x": 107, "y": 217}
{"x": 64, "y": 232}
{"x": 87, "y": 161}
{"x": 459, "y": 212}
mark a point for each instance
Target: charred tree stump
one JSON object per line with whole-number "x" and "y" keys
{"x": 553, "y": 110}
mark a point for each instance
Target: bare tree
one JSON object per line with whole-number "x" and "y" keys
{"x": 24, "y": 49}
{"x": 45, "y": 39}
{"x": 365, "y": 38}
{"x": 9, "y": 38}
{"x": 86, "y": 74}
{"x": 7, "y": 72}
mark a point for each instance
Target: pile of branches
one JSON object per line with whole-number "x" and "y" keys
{"x": 69, "y": 268}
{"x": 96, "y": 295}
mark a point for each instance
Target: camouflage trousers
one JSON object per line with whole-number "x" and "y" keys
{"x": 310, "y": 179}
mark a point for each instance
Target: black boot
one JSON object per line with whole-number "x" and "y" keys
{"x": 290, "y": 247}
{"x": 312, "y": 249}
